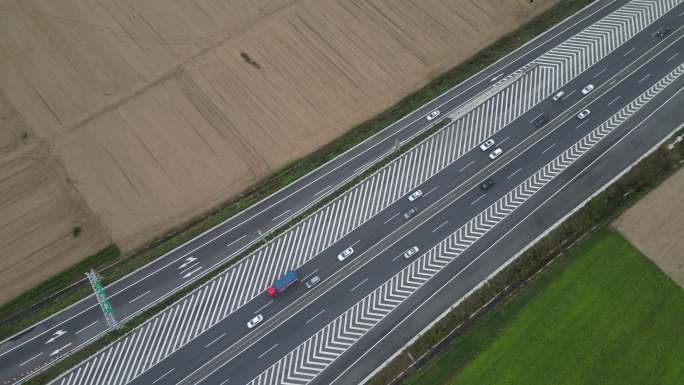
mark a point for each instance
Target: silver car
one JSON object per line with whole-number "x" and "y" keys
{"x": 410, "y": 213}
{"x": 312, "y": 282}
{"x": 255, "y": 321}
{"x": 345, "y": 254}
{"x": 495, "y": 154}
{"x": 586, "y": 90}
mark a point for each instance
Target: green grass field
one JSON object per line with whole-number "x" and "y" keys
{"x": 603, "y": 315}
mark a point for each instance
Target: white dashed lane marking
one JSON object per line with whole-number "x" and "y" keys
{"x": 440, "y": 226}
{"x": 312, "y": 318}
{"x": 514, "y": 172}
{"x": 359, "y": 284}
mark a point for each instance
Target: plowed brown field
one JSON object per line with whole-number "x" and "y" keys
{"x": 655, "y": 225}
{"x": 144, "y": 114}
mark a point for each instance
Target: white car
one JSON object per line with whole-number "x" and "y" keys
{"x": 432, "y": 115}
{"x": 583, "y": 114}
{"x": 410, "y": 252}
{"x": 586, "y": 90}
{"x": 255, "y": 321}
{"x": 495, "y": 154}
{"x": 487, "y": 144}
{"x": 415, "y": 195}
{"x": 345, "y": 254}
{"x": 558, "y": 95}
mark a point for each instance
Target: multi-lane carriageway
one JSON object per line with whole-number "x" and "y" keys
{"x": 631, "y": 73}
{"x": 56, "y": 337}
{"x": 59, "y": 335}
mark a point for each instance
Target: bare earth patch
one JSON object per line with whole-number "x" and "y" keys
{"x": 655, "y": 225}
{"x": 145, "y": 114}
{"x": 38, "y": 210}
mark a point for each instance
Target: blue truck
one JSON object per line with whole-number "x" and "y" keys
{"x": 280, "y": 285}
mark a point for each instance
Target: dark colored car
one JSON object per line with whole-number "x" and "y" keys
{"x": 541, "y": 121}
{"x": 486, "y": 184}
{"x": 663, "y": 32}
{"x": 410, "y": 213}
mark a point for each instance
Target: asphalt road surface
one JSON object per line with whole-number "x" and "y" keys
{"x": 649, "y": 124}
{"x": 225, "y": 353}
{"x": 54, "y": 338}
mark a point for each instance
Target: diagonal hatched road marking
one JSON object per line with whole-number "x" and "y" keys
{"x": 157, "y": 338}
{"x": 303, "y": 364}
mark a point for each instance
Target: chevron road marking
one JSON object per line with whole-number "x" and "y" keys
{"x": 221, "y": 296}
{"x": 340, "y": 334}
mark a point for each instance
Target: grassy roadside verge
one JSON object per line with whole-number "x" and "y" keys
{"x": 13, "y": 309}
{"x": 586, "y": 313}
{"x": 35, "y": 298}
{"x": 598, "y": 212}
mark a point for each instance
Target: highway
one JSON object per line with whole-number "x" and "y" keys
{"x": 57, "y": 336}
{"x": 297, "y": 323}
{"x": 360, "y": 328}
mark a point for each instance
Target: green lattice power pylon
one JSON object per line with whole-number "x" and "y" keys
{"x": 102, "y": 299}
